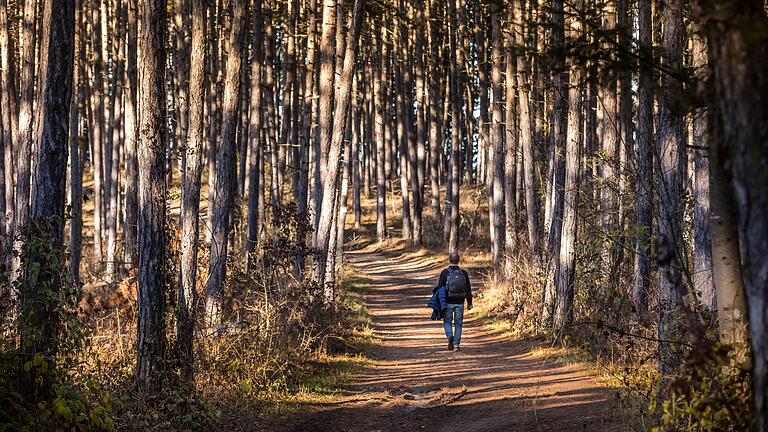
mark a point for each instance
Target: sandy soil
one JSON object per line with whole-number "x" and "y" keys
{"x": 416, "y": 384}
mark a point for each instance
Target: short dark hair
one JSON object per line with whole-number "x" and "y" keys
{"x": 453, "y": 258}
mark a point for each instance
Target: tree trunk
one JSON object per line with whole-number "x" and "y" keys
{"x": 41, "y": 321}
{"x": 526, "y": 140}
{"x": 567, "y": 254}
{"x": 333, "y": 140}
{"x": 98, "y": 132}
{"x": 670, "y": 135}
{"x": 225, "y": 167}
{"x": 641, "y": 283}
{"x": 190, "y": 192}
{"x": 456, "y": 85}
{"x": 10, "y": 113}
{"x": 75, "y": 167}
{"x": 150, "y": 344}
{"x": 607, "y": 117}
{"x": 255, "y": 127}
{"x": 702, "y": 249}
{"x": 496, "y": 151}
{"x": 381, "y": 185}
{"x": 510, "y": 152}
{"x": 116, "y": 126}
{"x": 738, "y": 56}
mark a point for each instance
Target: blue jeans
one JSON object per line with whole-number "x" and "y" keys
{"x": 453, "y": 311}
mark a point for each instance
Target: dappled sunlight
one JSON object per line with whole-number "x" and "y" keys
{"x": 493, "y": 383}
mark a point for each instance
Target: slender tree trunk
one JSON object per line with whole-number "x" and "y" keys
{"x": 333, "y": 140}
{"x": 567, "y": 253}
{"x": 381, "y": 186}
{"x": 702, "y": 250}
{"x": 510, "y": 151}
{"x": 456, "y": 60}
{"x": 10, "y": 113}
{"x": 670, "y": 135}
{"x": 116, "y": 126}
{"x": 98, "y": 133}
{"x": 607, "y": 117}
{"x": 75, "y": 167}
{"x": 644, "y": 160}
{"x": 190, "y": 192}
{"x": 496, "y": 150}
{"x": 255, "y": 128}
{"x": 224, "y": 194}
{"x": 41, "y": 321}
{"x": 150, "y": 343}
{"x": 526, "y": 140}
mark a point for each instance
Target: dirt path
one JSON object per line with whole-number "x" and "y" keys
{"x": 416, "y": 384}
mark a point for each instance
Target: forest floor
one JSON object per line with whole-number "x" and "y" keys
{"x": 413, "y": 382}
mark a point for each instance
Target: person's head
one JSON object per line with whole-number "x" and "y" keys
{"x": 453, "y": 258}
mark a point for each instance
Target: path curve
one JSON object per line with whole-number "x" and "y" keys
{"x": 416, "y": 384}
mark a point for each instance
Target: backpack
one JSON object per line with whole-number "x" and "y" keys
{"x": 456, "y": 284}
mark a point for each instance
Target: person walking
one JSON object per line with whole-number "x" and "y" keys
{"x": 457, "y": 289}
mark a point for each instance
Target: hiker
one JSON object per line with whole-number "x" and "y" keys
{"x": 455, "y": 281}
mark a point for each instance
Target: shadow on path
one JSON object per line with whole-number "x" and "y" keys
{"x": 416, "y": 384}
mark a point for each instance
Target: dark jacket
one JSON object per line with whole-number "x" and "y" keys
{"x": 444, "y": 280}
{"x": 437, "y": 303}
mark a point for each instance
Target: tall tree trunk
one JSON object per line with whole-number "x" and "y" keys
{"x": 510, "y": 151}
{"x": 607, "y": 117}
{"x": 702, "y": 249}
{"x": 98, "y": 131}
{"x": 150, "y": 343}
{"x": 567, "y": 254}
{"x": 641, "y": 283}
{"x": 456, "y": 61}
{"x": 10, "y": 113}
{"x": 496, "y": 150}
{"x": 738, "y": 56}
{"x": 75, "y": 167}
{"x": 255, "y": 128}
{"x": 556, "y": 180}
{"x": 333, "y": 140}
{"x": 307, "y": 144}
{"x": 670, "y": 135}
{"x": 116, "y": 120}
{"x": 41, "y": 322}
{"x": 225, "y": 167}
{"x": 381, "y": 185}
{"x": 526, "y": 139}
{"x": 190, "y": 192}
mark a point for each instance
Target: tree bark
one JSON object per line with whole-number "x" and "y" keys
{"x": 40, "y": 320}
{"x": 190, "y": 192}
{"x": 333, "y": 140}
{"x": 738, "y": 57}
{"x": 671, "y": 157}
{"x": 381, "y": 185}
{"x": 567, "y": 254}
{"x": 10, "y": 113}
{"x": 510, "y": 151}
{"x": 496, "y": 151}
{"x": 641, "y": 283}
{"x": 225, "y": 167}
{"x": 526, "y": 139}
{"x": 150, "y": 343}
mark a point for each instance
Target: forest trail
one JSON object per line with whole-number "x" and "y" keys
{"x": 415, "y": 383}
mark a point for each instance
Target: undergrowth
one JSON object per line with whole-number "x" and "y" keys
{"x": 279, "y": 347}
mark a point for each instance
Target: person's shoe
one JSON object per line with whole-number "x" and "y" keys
{"x": 450, "y": 343}
{"x": 457, "y": 348}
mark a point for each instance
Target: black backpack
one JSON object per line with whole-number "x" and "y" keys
{"x": 456, "y": 284}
